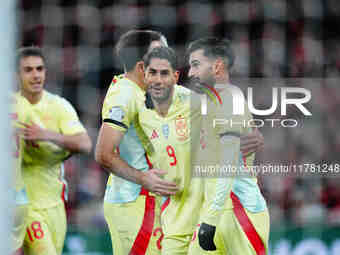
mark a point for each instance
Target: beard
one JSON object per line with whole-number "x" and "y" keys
{"x": 162, "y": 97}
{"x": 197, "y": 85}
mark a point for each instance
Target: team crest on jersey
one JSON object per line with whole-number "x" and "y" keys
{"x": 165, "y": 130}
{"x": 181, "y": 128}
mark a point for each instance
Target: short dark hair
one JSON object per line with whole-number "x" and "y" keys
{"x": 213, "y": 47}
{"x": 31, "y": 51}
{"x": 133, "y": 45}
{"x": 161, "y": 53}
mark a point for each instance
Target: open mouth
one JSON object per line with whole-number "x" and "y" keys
{"x": 36, "y": 85}
{"x": 157, "y": 90}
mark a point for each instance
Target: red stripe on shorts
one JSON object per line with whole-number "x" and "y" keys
{"x": 247, "y": 226}
{"x": 143, "y": 237}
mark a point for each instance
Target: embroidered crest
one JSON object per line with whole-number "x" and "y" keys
{"x": 181, "y": 128}
{"x": 165, "y": 130}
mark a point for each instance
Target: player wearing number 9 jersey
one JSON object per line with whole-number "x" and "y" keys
{"x": 119, "y": 150}
{"x": 168, "y": 127}
{"x": 21, "y": 199}
{"x": 52, "y": 132}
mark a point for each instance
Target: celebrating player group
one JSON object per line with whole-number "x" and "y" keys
{"x": 153, "y": 134}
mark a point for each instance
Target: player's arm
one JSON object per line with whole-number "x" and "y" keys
{"x": 219, "y": 190}
{"x": 75, "y": 143}
{"x": 106, "y": 155}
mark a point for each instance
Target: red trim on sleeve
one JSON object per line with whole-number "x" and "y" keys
{"x": 216, "y": 94}
{"x": 247, "y": 226}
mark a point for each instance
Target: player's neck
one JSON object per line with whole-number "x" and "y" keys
{"x": 222, "y": 83}
{"x": 33, "y": 98}
{"x": 133, "y": 76}
{"x": 163, "y": 107}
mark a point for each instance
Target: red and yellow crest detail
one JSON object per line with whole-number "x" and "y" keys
{"x": 181, "y": 126}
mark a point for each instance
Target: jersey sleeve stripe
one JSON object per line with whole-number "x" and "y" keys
{"x": 116, "y": 123}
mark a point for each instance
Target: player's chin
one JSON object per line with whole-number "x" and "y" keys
{"x": 36, "y": 89}
{"x": 157, "y": 94}
{"x": 195, "y": 85}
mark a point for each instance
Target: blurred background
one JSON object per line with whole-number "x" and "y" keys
{"x": 296, "y": 40}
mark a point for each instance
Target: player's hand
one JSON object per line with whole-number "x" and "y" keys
{"x": 206, "y": 235}
{"x": 151, "y": 181}
{"x": 252, "y": 142}
{"x": 32, "y": 132}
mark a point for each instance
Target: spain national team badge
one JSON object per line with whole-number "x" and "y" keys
{"x": 181, "y": 128}
{"x": 165, "y": 130}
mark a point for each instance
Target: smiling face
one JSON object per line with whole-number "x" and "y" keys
{"x": 161, "y": 78}
{"x": 32, "y": 74}
{"x": 153, "y": 44}
{"x": 201, "y": 67}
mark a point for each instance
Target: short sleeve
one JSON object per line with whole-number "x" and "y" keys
{"x": 119, "y": 108}
{"x": 69, "y": 122}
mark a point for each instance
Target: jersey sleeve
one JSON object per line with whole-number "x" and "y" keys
{"x": 69, "y": 122}
{"x": 226, "y": 134}
{"x": 119, "y": 108}
{"x": 227, "y": 123}
{"x": 218, "y": 189}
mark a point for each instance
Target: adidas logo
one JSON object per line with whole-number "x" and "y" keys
{"x": 154, "y": 135}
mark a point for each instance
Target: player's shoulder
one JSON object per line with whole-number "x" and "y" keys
{"x": 233, "y": 94}
{"x": 122, "y": 93}
{"x": 183, "y": 94}
{"x": 181, "y": 89}
{"x": 19, "y": 102}
{"x": 16, "y": 98}
{"x": 53, "y": 98}
{"x": 122, "y": 86}
{"x": 59, "y": 103}
{"x": 227, "y": 94}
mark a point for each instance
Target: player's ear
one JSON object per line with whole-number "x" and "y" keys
{"x": 219, "y": 69}
{"x": 140, "y": 67}
{"x": 219, "y": 66}
{"x": 176, "y": 74}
